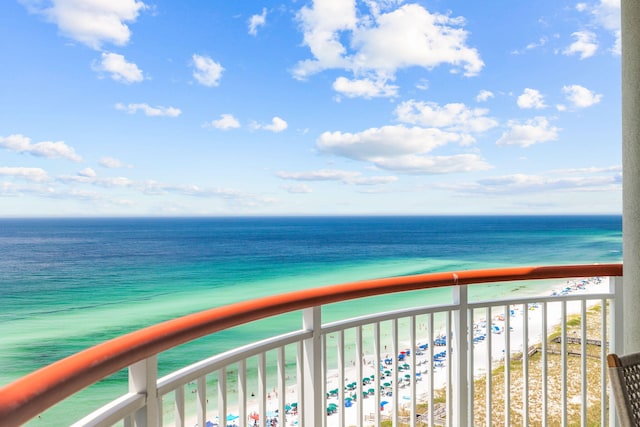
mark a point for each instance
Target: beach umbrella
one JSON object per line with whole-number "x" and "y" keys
{"x": 232, "y": 417}
{"x": 371, "y": 391}
{"x": 294, "y": 404}
{"x": 210, "y": 424}
{"x": 387, "y": 384}
{"x": 254, "y": 416}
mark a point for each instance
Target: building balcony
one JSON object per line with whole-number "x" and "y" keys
{"x": 522, "y": 359}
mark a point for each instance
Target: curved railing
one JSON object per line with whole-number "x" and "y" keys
{"x": 29, "y": 396}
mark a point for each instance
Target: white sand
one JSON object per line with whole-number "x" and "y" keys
{"x": 480, "y": 362}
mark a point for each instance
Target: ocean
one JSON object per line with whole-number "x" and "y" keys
{"x": 67, "y": 284}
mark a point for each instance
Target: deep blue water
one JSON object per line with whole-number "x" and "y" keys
{"x": 66, "y": 284}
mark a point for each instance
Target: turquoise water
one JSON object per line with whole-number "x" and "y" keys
{"x": 66, "y": 284}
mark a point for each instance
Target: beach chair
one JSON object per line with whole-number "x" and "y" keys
{"x": 624, "y": 376}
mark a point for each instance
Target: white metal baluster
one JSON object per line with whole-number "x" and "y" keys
{"x": 489, "y": 339}
{"x": 359, "y": 356}
{"x": 507, "y": 366}
{"x": 300, "y": 367}
{"x": 448, "y": 367}
{"x": 201, "y": 397}
{"x": 471, "y": 367}
{"x": 583, "y": 361}
{"x": 262, "y": 386}
{"x": 563, "y": 350}
{"x": 376, "y": 378}
{"x": 222, "y": 396}
{"x": 324, "y": 377}
{"x": 341, "y": 380}
{"x": 545, "y": 384}
{"x": 525, "y": 365}
{"x": 431, "y": 367}
{"x": 282, "y": 388}
{"x": 412, "y": 369}
{"x": 603, "y": 362}
{"x": 179, "y": 406}
{"x": 242, "y": 390}
{"x": 394, "y": 370}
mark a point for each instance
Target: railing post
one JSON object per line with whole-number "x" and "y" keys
{"x": 143, "y": 377}
{"x": 312, "y": 404}
{"x": 460, "y": 357}
{"x": 616, "y": 338}
{"x": 616, "y": 342}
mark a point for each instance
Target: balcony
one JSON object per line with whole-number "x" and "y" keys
{"x": 520, "y": 360}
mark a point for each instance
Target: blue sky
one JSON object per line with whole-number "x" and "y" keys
{"x": 144, "y": 108}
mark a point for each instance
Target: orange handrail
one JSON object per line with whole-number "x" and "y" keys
{"x": 32, "y": 394}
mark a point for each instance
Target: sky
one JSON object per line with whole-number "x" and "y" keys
{"x": 326, "y": 107}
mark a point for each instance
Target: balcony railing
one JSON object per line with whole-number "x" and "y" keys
{"x": 465, "y": 362}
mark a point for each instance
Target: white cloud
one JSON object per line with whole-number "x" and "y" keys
{"x": 119, "y": 68}
{"x": 387, "y": 141}
{"x": 207, "y": 72}
{"x": 148, "y": 110}
{"x": 322, "y": 25}
{"x": 346, "y": 177}
{"x": 580, "y": 96}
{"x": 381, "y": 43}
{"x": 541, "y": 42}
{"x": 297, "y": 189}
{"x": 412, "y": 36}
{"x": 402, "y": 149}
{"x": 51, "y": 150}
{"x": 88, "y": 172}
{"x": 484, "y": 95}
{"x": 29, "y": 174}
{"x": 257, "y": 21}
{"x": 226, "y": 121}
{"x": 430, "y": 165}
{"x": 589, "y": 179}
{"x": 112, "y": 163}
{"x": 452, "y": 117}
{"x": 277, "y": 125}
{"x": 365, "y": 88}
{"x": 531, "y": 98}
{"x": 531, "y": 132}
{"x": 606, "y": 14}
{"x": 92, "y": 23}
{"x": 585, "y": 45}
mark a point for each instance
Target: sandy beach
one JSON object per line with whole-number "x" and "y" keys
{"x": 485, "y": 330}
